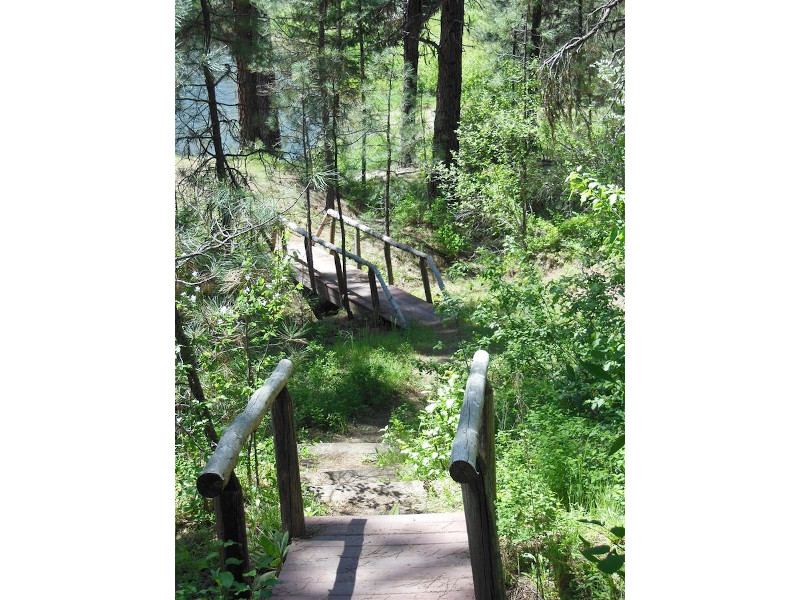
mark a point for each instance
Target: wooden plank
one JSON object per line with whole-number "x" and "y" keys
{"x": 390, "y": 557}
{"x": 407, "y": 539}
{"x": 380, "y": 581}
{"x": 322, "y": 557}
{"x": 455, "y": 595}
{"x": 359, "y": 294}
{"x": 388, "y": 524}
{"x": 220, "y": 466}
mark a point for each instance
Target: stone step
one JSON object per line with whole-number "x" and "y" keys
{"x": 340, "y": 456}
{"x": 365, "y": 475}
{"x": 378, "y": 498}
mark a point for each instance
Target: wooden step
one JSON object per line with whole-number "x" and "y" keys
{"x": 413, "y": 557}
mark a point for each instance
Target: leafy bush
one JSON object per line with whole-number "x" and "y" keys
{"x": 427, "y": 444}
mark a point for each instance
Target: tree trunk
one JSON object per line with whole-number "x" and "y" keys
{"x": 448, "y": 87}
{"x": 211, "y": 92}
{"x": 537, "y": 12}
{"x": 192, "y": 375}
{"x": 363, "y": 77}
{"x": 412, "y": 26}
{"x": 257, "y": 118}
{"x": 322, "y": 68}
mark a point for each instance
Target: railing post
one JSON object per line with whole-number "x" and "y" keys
{"x": 287, "y": 465}
{"x": 388, "y": 256}
{"x": 312, "y": 278}
{"x": 373, "y": 290}
{"x": 472, "y": 464}
{"x": 358, "y": 245}
{"x": 219, "y": 481}
{"x": 423, "y": 269}
{"x": 342, "y": 281}
{"x": 231, "y": 525}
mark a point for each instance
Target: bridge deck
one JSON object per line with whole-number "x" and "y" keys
{"x": 386, "y": 557}
{"x": 414, "y": 309}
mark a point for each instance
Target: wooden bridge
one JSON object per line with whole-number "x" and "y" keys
{"x": 448, "y": 556}
{"x": 322, "y": 270}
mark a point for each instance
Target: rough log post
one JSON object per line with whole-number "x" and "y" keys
{"x": 333, "y": 249}
{"x": 373, "y": 290}
{"x": 274, "y": 240}
{"x": 343, "y": 300}
{"x": 388, "y": 256}
{"x": 231, "y": 525}
{"x": 472, "y": 465}
{"x": 385, "y": 238}
{"x": 322, "y": 225}
{"x": 312, "y": 278}
{"x": 423, "y": 269}
{"x": 358, "y": 245}
{"x": 287, "y": 465}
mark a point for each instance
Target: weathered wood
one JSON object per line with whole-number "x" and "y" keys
{"x": 373, "y": 291}
{"x": 341, "y": 278}
{"x": 231, "y": 525}
{"x": 386, "y": 557}
{"x": 297, "y": 229}
{"x": 392, "y": 242}
{"x": 358, "y": 245}
{"x": 486, "y": 443}
{"x": 310, "y": 263}
{"x": 484, "y": 546}
{"x": 472, "y": 464}
{"x": 219, "y": 468}
{"x": 463, "y": 459}
{"x": 423, "y": 269}
{"x": 388, "y": 257}
{"x": 322, "y": 225}
{"x": 287, "y": 465}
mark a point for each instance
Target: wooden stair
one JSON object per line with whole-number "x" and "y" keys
{"x": 415, "y": 310}
{"x": 379, "y": 557}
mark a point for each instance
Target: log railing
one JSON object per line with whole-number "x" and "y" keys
{"x": 218, "y": 480}
{"x": 373, "y": 272}
{"x": 472, "y": 464}
{"x": 425, "y": 260}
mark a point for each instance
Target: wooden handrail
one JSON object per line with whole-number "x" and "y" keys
{"x": 218, "y": 480}
{"x": 300, "y": 231}
{"x": 221, "y": 464}
{"x": 427, "y": 258}
{"x": 472, "y": 464}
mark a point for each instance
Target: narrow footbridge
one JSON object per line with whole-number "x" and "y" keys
{"x": 442, "y": 556}
{"x": 350, "y": 281}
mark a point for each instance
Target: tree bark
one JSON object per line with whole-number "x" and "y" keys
{"x": 192, "y": 375}
{"x": 211, "y": 92}
{"x": 257, "y": 119}
{"x": 322, "y": 68}
{"x": 448, "y": 88}
{"x": 412, "y": 26}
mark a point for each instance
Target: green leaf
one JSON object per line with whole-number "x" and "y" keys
{"x": 618, "y": 443}
{"x": 612, "y": 563}
{"x": 595, "y": 371}
{"x": 251, "y": 573}
{"x": 226, "y": 579}
{"x": 234, "y": 561}
{"x": 603, "y": 549}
